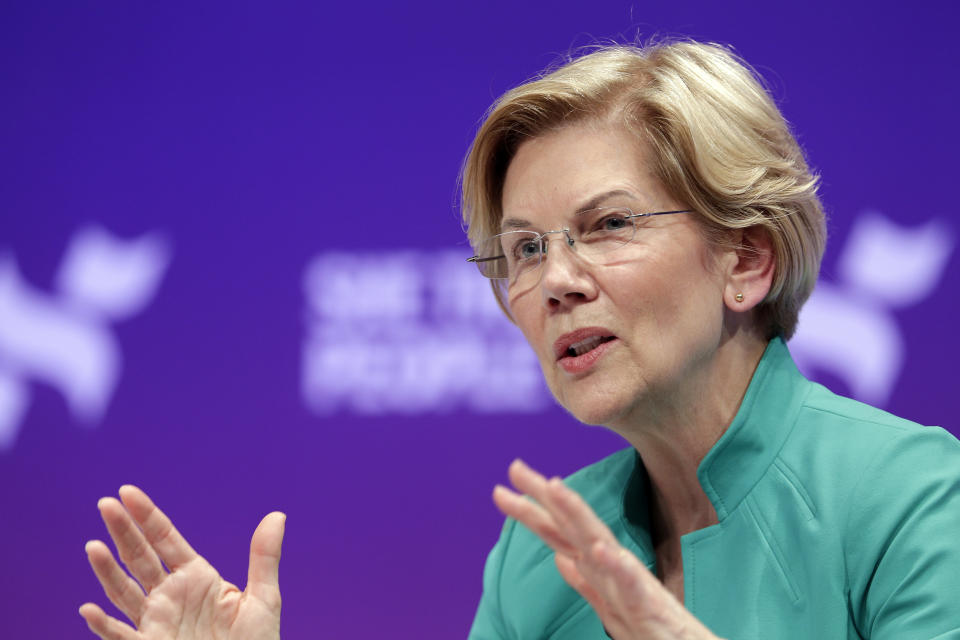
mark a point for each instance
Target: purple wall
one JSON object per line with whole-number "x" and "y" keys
{"x": 173, "y": 173}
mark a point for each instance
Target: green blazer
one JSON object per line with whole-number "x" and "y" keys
{"x": 836, "y": 520}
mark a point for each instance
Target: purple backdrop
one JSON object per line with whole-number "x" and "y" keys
{"x": 184, "y": 184}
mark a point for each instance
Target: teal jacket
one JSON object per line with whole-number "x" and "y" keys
{"x": 836, "y": 520}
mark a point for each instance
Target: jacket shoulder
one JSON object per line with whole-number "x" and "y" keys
{"x": 836, "y": 426}
{"x": 533, "y": 598}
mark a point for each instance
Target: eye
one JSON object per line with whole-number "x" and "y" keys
{"x": 527, "y": 249}
{"x": 605, "y": 221}
{"x": 613, "y": 222}
{"x": 521, "y": 247}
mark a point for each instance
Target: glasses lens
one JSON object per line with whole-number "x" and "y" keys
{"x": 509, "y": 255}
{"x": 604, "y": 230}
{"x": 490, "y": 259}
{"x": 521, "y": 252}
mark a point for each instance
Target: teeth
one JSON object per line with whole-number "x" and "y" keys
{"x": 580, "y": 348}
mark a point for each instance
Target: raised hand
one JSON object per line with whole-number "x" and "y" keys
{"x": 190, "y": 601}
{"x": 630, "y": 601}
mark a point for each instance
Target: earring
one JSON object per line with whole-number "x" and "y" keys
{"x": 738, "y": 297}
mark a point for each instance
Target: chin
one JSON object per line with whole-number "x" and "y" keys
{"x": 590, "y": 406}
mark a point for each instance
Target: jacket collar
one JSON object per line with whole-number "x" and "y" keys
{"x": 752, "y": 441}
{"x": 745, "y": 451}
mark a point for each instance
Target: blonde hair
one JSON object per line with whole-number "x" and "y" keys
{"x": 719, "y": 144}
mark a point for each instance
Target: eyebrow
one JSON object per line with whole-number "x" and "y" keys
{"x": 599, "y": 199}
{"x": 592, "y": 203}
{"x": 514, "y": 223}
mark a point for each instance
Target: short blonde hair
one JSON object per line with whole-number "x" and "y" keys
{"x": 719, "y": 145}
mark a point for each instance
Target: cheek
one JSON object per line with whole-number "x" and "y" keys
{"x": 529, "y": 320}
{"x": 529, "y": 316}
{"x": 696, "y": 313}
{"x": 669, "y": 300}
{"x": 638, "y": 294}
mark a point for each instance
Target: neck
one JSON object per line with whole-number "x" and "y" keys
{"x": 674, "y": 434}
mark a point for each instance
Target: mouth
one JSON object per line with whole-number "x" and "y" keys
{"x": 581, "y": 342}
{"x": 584, "y": 346}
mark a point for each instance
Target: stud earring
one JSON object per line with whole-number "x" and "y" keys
{"x": 738, "y": 297}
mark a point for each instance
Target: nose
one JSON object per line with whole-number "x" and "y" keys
{"x": 566, "y": 280}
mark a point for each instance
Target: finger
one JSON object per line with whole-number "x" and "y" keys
{"x": 567, "y": 567}
{"x": 631, "y": 592}
{"x": 159, "y": 531}
{"x": 527, "y": 481}
{"x": 123, "y": 591}
{"x": 571, "y": 515}
{"x": 533, "y": 484}
{"x": 533, "y": 516}
{"x": 132, "y": 546}
{"x": 627, "y": 579}
{"x": 108, "y": 628}
{"x": 263, "y": 580}
{"x": 580, "y": 523}
{"x": 611, "y": 623}
{"x": 600, "y": 578}
{"x": 634, "y": 594}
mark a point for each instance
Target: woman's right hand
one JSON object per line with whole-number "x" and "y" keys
{"x": 190, "y": 601}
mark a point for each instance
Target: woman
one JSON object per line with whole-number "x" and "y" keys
{"x": 653, "y": 229}
{"x": 650, "y": 224}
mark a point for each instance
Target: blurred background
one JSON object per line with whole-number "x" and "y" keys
{"x": 231, "y": 272}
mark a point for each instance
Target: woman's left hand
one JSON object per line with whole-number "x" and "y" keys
{"x": 629, "y": 600}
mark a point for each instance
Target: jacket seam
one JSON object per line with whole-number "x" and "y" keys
{"x": 508, "y": 538}
{"x": 794, "y": 481}
{"x": 847, "y": 416}
{"x": 776, "y": 553}
{"x": 719, "y": 527}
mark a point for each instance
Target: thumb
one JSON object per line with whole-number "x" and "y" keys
{"x": 262, "y": 576}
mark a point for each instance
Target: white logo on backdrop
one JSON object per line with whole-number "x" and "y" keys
{"x": 848, "y": 328}
{"x": 63, "y": 339}
{"x": 411, "y": 332}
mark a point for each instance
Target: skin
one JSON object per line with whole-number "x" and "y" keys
{"x": 190, "y": 601}
{"x": 670, "y": 383}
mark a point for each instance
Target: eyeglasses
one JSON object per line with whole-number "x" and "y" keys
{"x": 514, "y": 255}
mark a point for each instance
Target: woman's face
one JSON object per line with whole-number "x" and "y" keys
{"x": 646, "y": 324}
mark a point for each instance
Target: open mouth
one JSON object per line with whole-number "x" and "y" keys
{"x": 578, "y": 351}
{"x": 584, "y": 346}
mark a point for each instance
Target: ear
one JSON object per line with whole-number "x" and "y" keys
{"x": 750, "y": 275}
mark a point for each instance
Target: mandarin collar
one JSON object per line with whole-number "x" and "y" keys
{"x": 752, "y": 441}
{"x": 745, "y": 451}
